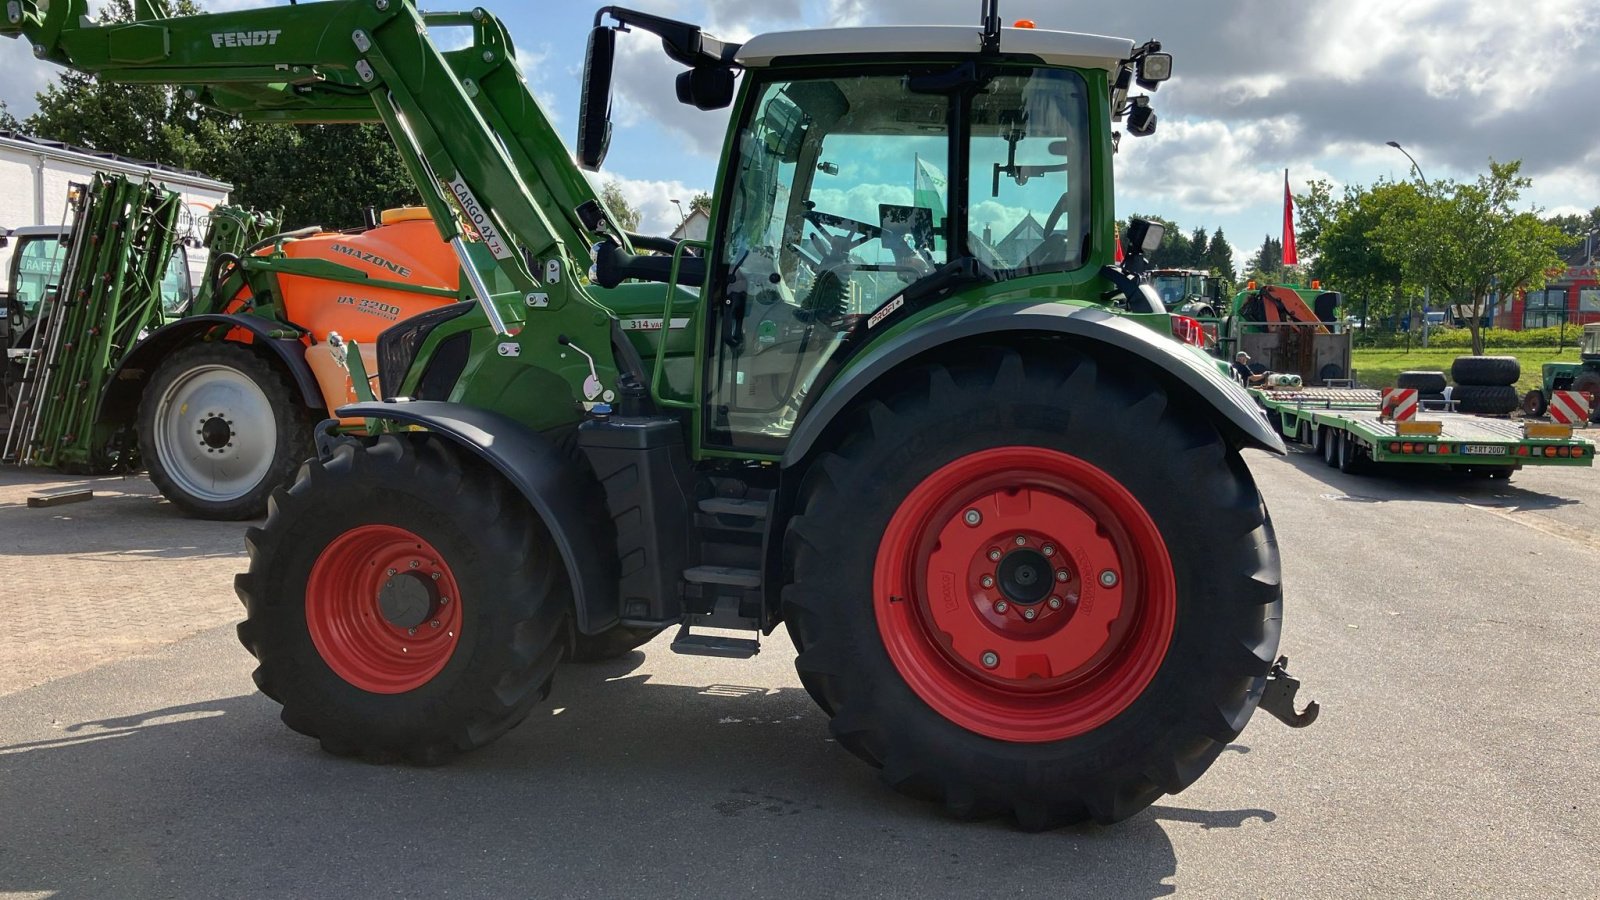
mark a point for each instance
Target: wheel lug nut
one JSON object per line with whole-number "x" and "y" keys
{"x": 1054, "y": 602}
{"x": 444, "y": 601}
{"x": 1021, "y": 541}
{"x": 414, "y": 564}
{"x": 436, "y": 576}
{"x": 1029, "y": 614}
{"x": 1048, "y": 550}
{"x": 990, "y": 659}
{"x": 393, "y": 572}
{"x": 987, "y": 581}
{"x": 1001, "y": 606}
{"x": 434, "y": 623}
{"x": 1108, "y": 578}
{"x": 411, "y": 631}
{"x": 994, "y": 555}
{"x": 1063, "y": 576}
{"x": 973, "y": 518}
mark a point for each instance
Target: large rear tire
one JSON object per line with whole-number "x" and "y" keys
{"x": 219, "y": 429}
{"x": 1140, "y": 660}
{"x": 1486, "y": 371}
{"x": 386, "y": 618}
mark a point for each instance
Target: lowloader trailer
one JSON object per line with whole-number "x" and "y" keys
{"x": 1356, "y": 428}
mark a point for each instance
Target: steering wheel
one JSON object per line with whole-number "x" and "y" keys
{"x": 1052, "y": 247}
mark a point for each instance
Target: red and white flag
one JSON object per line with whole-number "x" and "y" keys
{"x": 1290, "y": 256}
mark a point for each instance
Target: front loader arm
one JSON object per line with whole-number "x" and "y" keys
{"x": 500, "y": 185}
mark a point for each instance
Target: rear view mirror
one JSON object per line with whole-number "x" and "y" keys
{"x": 1141, "y": 118}
{"x": 594, "y": 111}
{"x": 706, "y": 87}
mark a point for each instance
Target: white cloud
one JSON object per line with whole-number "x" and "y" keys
{"x": 658, "y": 215}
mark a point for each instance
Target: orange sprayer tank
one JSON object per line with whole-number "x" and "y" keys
{"x": 407, "y": 249}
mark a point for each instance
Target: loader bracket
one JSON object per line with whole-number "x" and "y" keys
{"x": 1277, "y": 697}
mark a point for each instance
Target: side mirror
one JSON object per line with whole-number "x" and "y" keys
{"x": 1144, "y": 236}
{"x": 594, "y": 110}
{"x": 1154, "y": 68}
{"x": 706, "y": 87}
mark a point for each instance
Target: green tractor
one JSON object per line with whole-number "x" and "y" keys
{"x": 956, "y": 470}
{"x": 1582, "y": 376}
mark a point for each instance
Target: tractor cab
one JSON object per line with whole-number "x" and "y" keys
{"x": 1189, "y": 292}
{"x": 875, "y": 172}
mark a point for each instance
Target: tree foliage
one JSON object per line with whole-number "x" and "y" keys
{"x": 317, "y": 174}
{"x": 1267, "y": 264}
{"x": 702, "y": 202}
{"x": 626, "y": 214}
{"x": 8, "y": 122}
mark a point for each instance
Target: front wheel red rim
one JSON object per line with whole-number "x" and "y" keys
{"x": 383, "y": 609}
{"x": 1024, "y": 594}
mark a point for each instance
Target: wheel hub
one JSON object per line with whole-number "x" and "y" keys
{"x": 383, "y": 608}
{"x": 1024, "y": 593}
{"x": 216, "y": 432}
{"x": 407, "y": 600}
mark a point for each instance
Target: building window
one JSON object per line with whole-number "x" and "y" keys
{"x": 1545, "y": 308}
{"x": 1589, "y": 300}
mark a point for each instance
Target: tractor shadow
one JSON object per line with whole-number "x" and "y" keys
{"x": 616, "y": 785}
{"x": 1392, "y": 482}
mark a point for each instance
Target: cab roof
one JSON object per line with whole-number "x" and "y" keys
{"x": 1055, "y": 48}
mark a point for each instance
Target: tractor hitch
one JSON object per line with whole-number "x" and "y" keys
{"x": 1277, "y": 697}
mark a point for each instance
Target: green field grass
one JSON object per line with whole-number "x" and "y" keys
{"x": 1378, "y": 368}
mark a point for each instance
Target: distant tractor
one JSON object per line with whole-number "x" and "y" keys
{"x": 1189, "y": 292}
{"x": 1582, "y": 376}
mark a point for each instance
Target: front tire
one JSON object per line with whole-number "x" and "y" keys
{"x": 219, "y": 429}
{"x": 1133, "y": 672}
{"x": 387, "y": 618}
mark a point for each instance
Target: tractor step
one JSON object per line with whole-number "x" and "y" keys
{"x": 723, "y": 575}
{"x": 729, "y": 506}
{"x": 690, "y": 644}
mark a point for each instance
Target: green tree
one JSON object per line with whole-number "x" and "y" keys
{"x": 1197, "y": 247}
{"x": 8, "y": 122}
{"x": 1467, "y": 239}
{"x": 702, "y": 202}
{"x": 317, "y": 175}
{"x": 626, "y": 214}
{"x": 1219, "y": 258}
{"x": 1267, "y": 264}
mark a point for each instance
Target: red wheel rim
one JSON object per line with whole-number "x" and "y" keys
{"x": 1024, "y": 594}
{"x": 383, "y": 609}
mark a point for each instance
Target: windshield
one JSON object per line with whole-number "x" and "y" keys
{"x": 38, "y": 267}
{"x": 840, "y": 214}
{"x": 1171, "y": 288}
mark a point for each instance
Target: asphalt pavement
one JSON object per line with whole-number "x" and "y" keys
{"x": 1448, "y": 627}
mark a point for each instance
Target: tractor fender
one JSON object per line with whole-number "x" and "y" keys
{"x": 1236, "y": 414}
{"x": 121, "y": 398}
{"x": 548, "y": 477}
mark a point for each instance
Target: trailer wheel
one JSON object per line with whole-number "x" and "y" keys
{"x": 1352, "y": 456}
{"x": 1534, "y": 405}
{"x": 219, "y": 429}
{"x": 1318, "y": 435}
{"x": 987, "y": 604}
{"x": 1331, "y": 440}
{"x": 387, "y": 620}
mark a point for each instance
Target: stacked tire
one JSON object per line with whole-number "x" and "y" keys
{"x": 1486, "y": 385}
{"x": 1428, "y": 385}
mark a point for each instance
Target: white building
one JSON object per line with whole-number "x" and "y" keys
{"x": 35, "y": 173}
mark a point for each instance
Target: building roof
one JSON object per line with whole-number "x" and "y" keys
{"x": 1056, "y": 48}
{"x": 114, "y": 162}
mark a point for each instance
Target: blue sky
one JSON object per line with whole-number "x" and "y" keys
{"x": 1316, "y": 88}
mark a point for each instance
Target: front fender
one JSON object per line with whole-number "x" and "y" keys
{"x": 554, "y": 485}
{"x": 1236, "y": 414}
{"x": 121, "y": 398}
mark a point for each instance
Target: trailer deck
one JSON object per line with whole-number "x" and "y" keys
{"x": 1349, "y": 428}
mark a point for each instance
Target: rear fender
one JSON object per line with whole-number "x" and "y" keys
{"x": 553, "y": 483}
{"x": 1235, "y": 414}
{"x": 120, "y": 402}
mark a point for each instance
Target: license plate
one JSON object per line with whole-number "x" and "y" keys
{"x": 1484, "y": 450}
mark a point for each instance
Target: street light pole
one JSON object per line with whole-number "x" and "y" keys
{"x": 1427, "y": 290}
